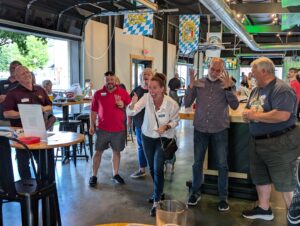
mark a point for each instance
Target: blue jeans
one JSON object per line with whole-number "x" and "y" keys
{"x": 141, "y": 153}
{"x": 155, "y": 159}
{"x": 219, "y": 144}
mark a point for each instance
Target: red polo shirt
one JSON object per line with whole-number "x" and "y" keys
{"x": 110, "y": 117}
{"x": 21, "y": 95}
{"x": 296, "y": 86}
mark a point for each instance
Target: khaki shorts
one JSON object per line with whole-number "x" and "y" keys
{"x": 115, "y": 140}
{"x": 273, "y": 160}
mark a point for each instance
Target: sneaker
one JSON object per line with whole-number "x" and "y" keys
{"x": 118, "y": 179}
{"x": 223, "y": 206}
{"x": 193, "y": 199}
{"x": 138, "y": 174}
{"x": 153, "y": 211}
{"x": 151, "y": 199}
{"x": 93, "y": 181}
{"x": 258, "y": 213}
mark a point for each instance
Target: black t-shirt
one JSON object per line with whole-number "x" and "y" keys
{"x": 174, "y": 84}
{"x": 139, "y": 118}
{"x": 5, "y": 86}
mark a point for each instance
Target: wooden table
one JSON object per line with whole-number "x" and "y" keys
{"x": 234, "y": 115}
{"x": 124, "y": 224}
{"x": 65, "y": 106}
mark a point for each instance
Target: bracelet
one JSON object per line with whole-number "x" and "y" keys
{"x": 228, "y": 88}
{"x": 168, "y": 127}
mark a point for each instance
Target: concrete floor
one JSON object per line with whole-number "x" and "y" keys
{"x": 81, "y": 205}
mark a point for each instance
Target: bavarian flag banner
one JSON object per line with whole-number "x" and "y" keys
{"x": 188, "y": 33}
{"x": 138, "y": 24}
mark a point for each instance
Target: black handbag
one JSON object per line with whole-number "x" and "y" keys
{"x": 169, "y": 146}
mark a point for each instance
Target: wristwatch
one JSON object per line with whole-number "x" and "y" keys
{"x": 168, "y": 127}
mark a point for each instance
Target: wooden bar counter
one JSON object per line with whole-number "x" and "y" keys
{"x": 239, "y": 146}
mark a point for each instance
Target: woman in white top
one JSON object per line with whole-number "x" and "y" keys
{"x": 166, "y": 110}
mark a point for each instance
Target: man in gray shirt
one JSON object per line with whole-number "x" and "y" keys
{"x": 213, "y": 95}
{"x": 271, "y": 113}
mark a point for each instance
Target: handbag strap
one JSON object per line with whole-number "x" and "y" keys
{"x": 157, "y": 125}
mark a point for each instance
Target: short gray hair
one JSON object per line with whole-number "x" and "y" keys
{"x": 46, "y": 83}
{"x": 264, "y": 63}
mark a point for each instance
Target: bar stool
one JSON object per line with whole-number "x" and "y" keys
{"x": 27, "y": 192}
{"x": 72, "y": 126}
{"x": 84, "y": 129}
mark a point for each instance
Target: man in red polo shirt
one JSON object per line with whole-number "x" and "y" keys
{"x": 109, "y": 105}
{"x": 24, "y": 93}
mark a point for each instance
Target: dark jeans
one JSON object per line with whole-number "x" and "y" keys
{"x": 219, "y": 144}
{"x": 155, "y": 159}
{"x": 174, "y": 95}
{"x": 141, "y": 153}
{"x": 23, "y": 162}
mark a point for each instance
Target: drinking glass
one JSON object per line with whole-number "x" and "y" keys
{"x": 171, "y": 213}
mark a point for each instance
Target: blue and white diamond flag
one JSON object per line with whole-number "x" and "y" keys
{"x": 138, "y": 24}
{"x": 189, "y": 33}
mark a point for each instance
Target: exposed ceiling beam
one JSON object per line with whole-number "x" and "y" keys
{"x": 148, "y": 4}
{"x": 263, "y": 8}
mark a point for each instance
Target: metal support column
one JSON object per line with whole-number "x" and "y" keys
{"x": 165, "y": 43}
{"x": 111, "y": 44}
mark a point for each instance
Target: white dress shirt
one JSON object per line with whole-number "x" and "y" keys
{"x": 166, "y": 115}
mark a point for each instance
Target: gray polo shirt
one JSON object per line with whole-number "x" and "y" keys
{"x": 276, "y": 95}
{"x": 212, "y": 112}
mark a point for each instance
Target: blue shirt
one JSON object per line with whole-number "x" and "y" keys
{"x": 276, "y": 95}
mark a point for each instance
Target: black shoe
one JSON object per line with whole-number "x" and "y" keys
{"x": 151, "y": 199}
{"x": 194, "y": 199}
{"x": 118, "y": 179}
{"x": 223, "y": 206}
{"x": 93, "y": 181}
{"x": 258, "y": 213}
{"x": 153, "y": 211}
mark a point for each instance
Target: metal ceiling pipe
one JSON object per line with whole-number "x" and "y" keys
{"x": 222, "y": 11}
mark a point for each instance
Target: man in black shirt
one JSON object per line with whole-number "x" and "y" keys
{"x": 138, "y": 119}
{"x": 5, "y": 86}
{"x": 174, "y": 84}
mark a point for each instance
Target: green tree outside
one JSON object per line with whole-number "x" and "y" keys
{"x": 31, "y": 51}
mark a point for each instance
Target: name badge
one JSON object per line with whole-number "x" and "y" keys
{"x": 103, "y": 94}
{"x": 6, "y": 86}
{"x": 161, "y": 116}
{"x": 24, "y": 100}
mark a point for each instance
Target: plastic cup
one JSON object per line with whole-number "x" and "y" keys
{"x": 171, "y": 213}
